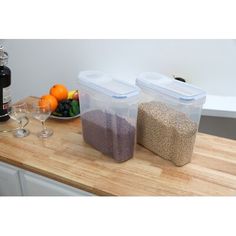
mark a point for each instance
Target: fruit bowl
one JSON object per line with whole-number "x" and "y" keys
{"x": 64, "y": 104}
{"x": 67, "y": 109}
{"x": 64, "y": 118}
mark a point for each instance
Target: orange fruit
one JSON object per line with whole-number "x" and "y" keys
{"x": 50, "y": 99}
{"x": 59, "y": 91}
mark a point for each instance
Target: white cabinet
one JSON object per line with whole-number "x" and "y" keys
{"x": 36, "y": 185}
{"x": 17, "y": 182}
{"x": 9, "y": 180}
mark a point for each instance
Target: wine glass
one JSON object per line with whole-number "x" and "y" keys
{"x": 18, "y": 112}
{"x": 41, "y": 111}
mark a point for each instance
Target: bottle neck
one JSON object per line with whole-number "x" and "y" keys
{"x": 3, "y": 63}
{"x": 3, "y": 57}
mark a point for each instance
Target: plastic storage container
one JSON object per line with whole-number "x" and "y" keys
{"x": 109, "y": 114}
{"x": 168, "y": 116}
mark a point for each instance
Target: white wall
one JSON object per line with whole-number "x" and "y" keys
{"x": 38, "y": 64}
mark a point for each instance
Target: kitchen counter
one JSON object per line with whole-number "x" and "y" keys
{"x": 66, "y": 158}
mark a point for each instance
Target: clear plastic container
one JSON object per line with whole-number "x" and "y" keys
{"x": 168, "y": 116}
{"x": 108, "y": 114}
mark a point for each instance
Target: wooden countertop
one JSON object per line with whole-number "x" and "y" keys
{"x": 66, "y": 158}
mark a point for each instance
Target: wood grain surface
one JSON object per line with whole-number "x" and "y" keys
{"x": 66, "y": 158}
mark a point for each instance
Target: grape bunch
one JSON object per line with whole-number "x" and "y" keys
{"x": 67, "y": 108}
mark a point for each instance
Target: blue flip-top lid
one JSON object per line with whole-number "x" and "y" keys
{"x": 165, "y": 85}
{"x": 105, "y": 84}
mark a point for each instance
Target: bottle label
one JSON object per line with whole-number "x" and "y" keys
{"x": 6, "y": 97}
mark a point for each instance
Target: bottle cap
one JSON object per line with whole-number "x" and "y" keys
{"x": 3, "y": 56}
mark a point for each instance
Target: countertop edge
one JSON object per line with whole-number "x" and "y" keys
{"x": 55, "y": 177}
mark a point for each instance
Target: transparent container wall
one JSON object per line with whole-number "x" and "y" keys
{"x": 168, "y": 127}
{"x": 91, "y": 100}
{"x": 109, "y": 124}
{"x": 191, "y": 110}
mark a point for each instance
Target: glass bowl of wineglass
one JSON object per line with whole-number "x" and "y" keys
{"x": 41, "y": 111}
{"x": 18, "y": 112}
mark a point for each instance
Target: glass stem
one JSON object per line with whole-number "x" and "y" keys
{"x": 21, "y": 124}
{"x": 44, "y": 126}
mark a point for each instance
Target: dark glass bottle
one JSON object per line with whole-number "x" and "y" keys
{"x": 5, "y": 82}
